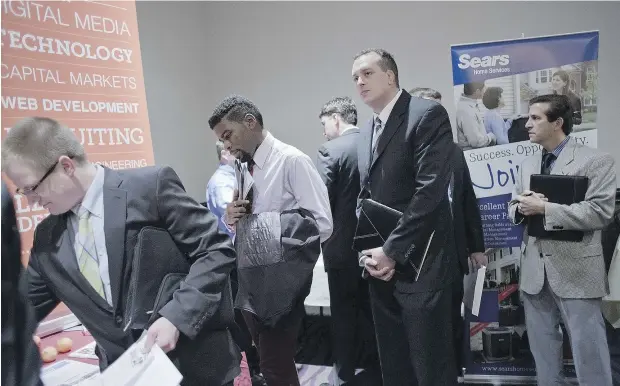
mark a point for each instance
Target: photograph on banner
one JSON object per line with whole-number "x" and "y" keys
{"x": 493, "y": 85}
{"x": 493, "y": 112}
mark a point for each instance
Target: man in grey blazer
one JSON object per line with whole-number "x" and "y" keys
{"x": 82, "y": 253}
{"x": 564, "y": 281}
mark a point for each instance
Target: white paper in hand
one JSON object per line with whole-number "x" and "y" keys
{"x": 134, "y": 368}
{"x": 473, "y": 285}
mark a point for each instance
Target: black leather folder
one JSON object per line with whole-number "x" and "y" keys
{"x": 374, "y": 226}
{"x": 158, "y": 268}
{"x": 559, "y": 189}
{"x": 376, "y": 223}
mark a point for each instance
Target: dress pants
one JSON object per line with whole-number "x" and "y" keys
{"x": 584, "y": 323}
{"x": 353, "y": 335}
{"x": 414, "y": 335}
{"x": 458, "y": 324}
{"x": 240, "y": 332}
{"x": 277, "y": 346}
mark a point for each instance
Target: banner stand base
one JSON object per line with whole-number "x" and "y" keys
{"x": 507, "y": 380}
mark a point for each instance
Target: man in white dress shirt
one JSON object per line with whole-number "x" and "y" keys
{"x": 284, "y": 178}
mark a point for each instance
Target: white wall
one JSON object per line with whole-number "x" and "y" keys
{"x": 290, "y": 57}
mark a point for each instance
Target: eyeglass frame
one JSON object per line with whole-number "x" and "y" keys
{"x": 32, "y": 189}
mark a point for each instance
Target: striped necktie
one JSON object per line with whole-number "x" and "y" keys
{"x": 87, "y": 252}
{"x": 377, "y": 129}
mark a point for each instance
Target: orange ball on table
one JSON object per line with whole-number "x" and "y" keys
{"x": 64, "y": 345}
{"x": 49, "y": 354}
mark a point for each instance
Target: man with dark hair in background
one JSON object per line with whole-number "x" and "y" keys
{"x": 284, "y": 179}
{"x": 220, "y": 193}
{"x": 564, "y": 281}
{"x": 351, "y": 317}
{"x": 405, "y": 161}
{"x": 426, "y": 93}
{"x": 468, "y": 231}
{"x": 470, "y": 131}
{"x": 21, "y": 361}
{"x": 469, "y": 243}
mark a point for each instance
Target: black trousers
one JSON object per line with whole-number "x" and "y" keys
{"x": 240, "y": 332}
{"x": 277, "y": 346}
{"x": 353, "y": 336}
{"x": 458, "y": 332}
{"x": 414, "y": 335}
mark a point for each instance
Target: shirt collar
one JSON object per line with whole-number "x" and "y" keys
{"x": 92, "y": 200}
{"x": 469, "y": 100}
{"x": 387, "y": 110}
{"x": 348, "y": 129}
{"x": 263, "y": 150}
{"x": 556, "y": 152}
{"x": 226, "y": 168}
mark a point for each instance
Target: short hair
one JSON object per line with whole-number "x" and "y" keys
{"x": 41, "y": 142}
{"x": 472, "y": 87}
{"x": 425, "y": 92}
{"x": 235, "y": 108}
{"x": 491, "y": 97}
{"x": 386, "y": 62}
{"x": 559, "y": 107}
{"x": 343, "y": 106}
{"x": 219, "y": 148}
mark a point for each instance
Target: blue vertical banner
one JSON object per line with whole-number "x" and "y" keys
{"x": 493, "y": 84}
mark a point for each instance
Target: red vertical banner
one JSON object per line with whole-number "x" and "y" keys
{"x": 77, "y": 62}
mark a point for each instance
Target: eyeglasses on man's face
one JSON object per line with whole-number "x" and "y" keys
{"x": 32, "y": 189}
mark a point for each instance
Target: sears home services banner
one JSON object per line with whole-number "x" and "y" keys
{"x": 493, "y": 83}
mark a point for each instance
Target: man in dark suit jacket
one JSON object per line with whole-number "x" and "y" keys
{"x": 405, "y": 162}
{"x": 21, "y": 363}
{"x": 469, "y": 242}
{"x": 85, "y": 261}
{"x": 351, "y": 317}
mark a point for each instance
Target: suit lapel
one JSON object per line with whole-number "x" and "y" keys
{"x": 534, "y": 166}
{"x": 65, "y": 241}
{"x": 565, "y": 159}
{"x": 394, "y": 122}
{"x": 364, "y": 151}
{"x": 67, "y": 258}
{"x": 115, "y": 217}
